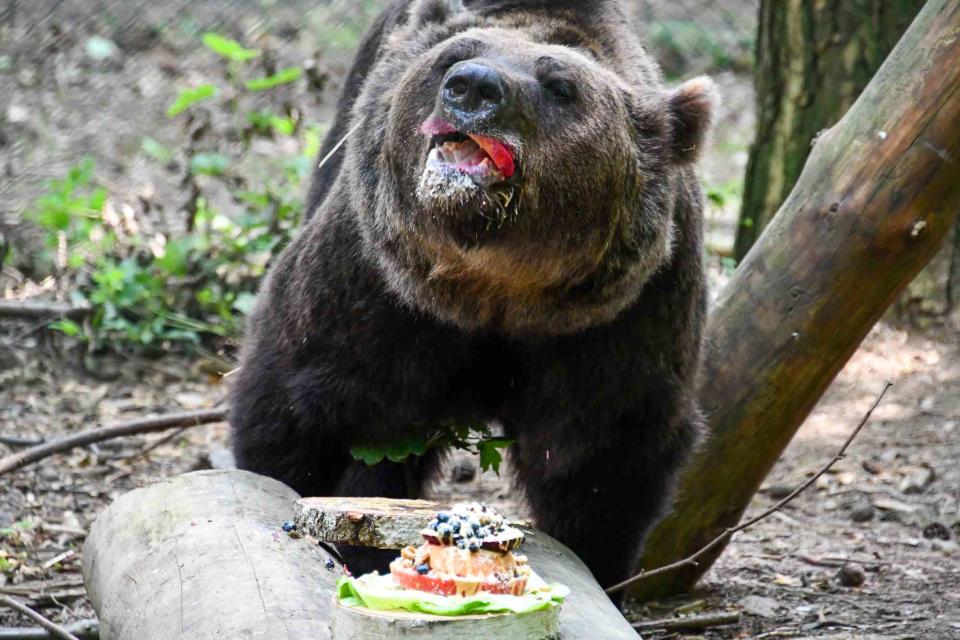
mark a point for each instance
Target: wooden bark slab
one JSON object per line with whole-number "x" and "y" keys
{"x": 366, "y": 522}
{"x": 360, "y": 624}
{"x": 203, "y": 556}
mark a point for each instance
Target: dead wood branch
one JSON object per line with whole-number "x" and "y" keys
{"x": 691, "y": 560}
{"x": 135, "y": 427}
{"x": 689, "y": 623}
{"x": 56, "y": 630}
{"x": 31, "y": 309}
{"x": 85, "y": 630}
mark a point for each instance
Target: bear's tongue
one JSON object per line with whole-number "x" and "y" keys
{"x": 475, "y": 153}
{"x": 498, "y": 152}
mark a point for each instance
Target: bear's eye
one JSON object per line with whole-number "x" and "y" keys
{"x": 562, "y": 91}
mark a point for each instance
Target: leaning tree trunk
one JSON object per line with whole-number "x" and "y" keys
{"x": 875, "y": 201}
{"x": 813, "y": 60}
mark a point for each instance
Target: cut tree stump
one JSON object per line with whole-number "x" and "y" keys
{"x": 381, "y": 523}
{"x": 203, "y": 555}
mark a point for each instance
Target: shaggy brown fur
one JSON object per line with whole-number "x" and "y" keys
{"x": 565, "y": 301}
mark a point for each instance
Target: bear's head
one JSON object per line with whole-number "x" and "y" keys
{"x": 515, "y": 168}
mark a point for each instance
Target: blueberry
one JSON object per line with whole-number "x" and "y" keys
{"x": 443, "y": 516}
{"x": 423, "y": 569}
{"x": 444, "y": 531}
{"x": 455, "y": 524}
{"x": 481, "y": 534}
{"x": 474, "y": 546}
{"x": 433, "y": 525}
{"x": 461, "y": 543}
{"x": 330, "y": 565}
{"x": 288, "y": 526}
{"x": 474, "y": 522}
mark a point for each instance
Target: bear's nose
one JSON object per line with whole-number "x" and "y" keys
{"x": 474, "y": 89}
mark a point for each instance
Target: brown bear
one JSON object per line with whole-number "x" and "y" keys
{"x": 510, "y": 233}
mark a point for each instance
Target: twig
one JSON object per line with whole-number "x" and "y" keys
{"x": 20, "y": 441}
{"x": 85, "y": 630}
{"x": 29, "y": 309}
{"x": 690, "y": 623}
{"x": 55, "y": 629}
{"x": 337, "y": 146}
{"x": 135, "y": 427}
{"x": 692, "y": 559}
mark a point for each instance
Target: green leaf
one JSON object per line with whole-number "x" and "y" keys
{"x": 369, "y": 455}
{"x": 176, "y": 256}
{"x": 209, "y": 164}
{"x": 284, "y": 76}
{"x": 190, "y": 96}
{"x": 228, "y": 48}
{"x": 67, "y": 327}
{"x": 490, "y": 456}
{"x": 155, "y": 150}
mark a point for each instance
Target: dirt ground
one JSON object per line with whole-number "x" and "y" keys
{"x": 889, "y": 514}
{"x": 891, "y": 508}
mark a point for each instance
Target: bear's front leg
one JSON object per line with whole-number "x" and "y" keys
{"x": 601, "y": 495}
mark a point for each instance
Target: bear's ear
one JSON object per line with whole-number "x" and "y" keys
{"x": 691, "y": 108}
{"x": 425, "y": 12}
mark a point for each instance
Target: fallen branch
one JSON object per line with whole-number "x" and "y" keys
{"x": 723, "y": 537}
{"x": 29, "y": 309}
{"x": 689, "y": 623}
{"x": 135, "y": 427}
{"x": 85, "y": 630}
{"x": 19, "y": 441}
{"x": 56, "y": 630}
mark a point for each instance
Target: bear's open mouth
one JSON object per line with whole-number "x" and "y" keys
{"x": 485, "y": 160}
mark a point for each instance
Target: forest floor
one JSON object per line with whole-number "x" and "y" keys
{"x": 891, "y": 508}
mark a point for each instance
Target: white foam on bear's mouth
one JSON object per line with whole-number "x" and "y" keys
{"x": 455, "y": 169}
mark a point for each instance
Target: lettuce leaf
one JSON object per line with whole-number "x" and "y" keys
{"x": 380, "y": 592}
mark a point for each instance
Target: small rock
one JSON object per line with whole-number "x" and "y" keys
{"x": 862, "y": 511}
{"x": 100, "y": 48}
{"x": 947, "y": 547}
{"x": 936, "y": 531}
{"x": 851, "y": 575}
{"x": 917, "y": 481}
{"x": 778, "y": 491}
{"x": 17, "y": 114}
{"x": 760, "y": 606}
{"x": 464, "y": 471}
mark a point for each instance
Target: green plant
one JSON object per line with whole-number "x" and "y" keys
{"x": 475, "y": 438}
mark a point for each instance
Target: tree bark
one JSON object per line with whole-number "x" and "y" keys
{"x": 813, "y": 60}
{"x": 874, "y": 203}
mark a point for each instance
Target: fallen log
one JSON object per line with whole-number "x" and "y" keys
{"x": 203, "y": 555}
{"x": 879, "y": 193}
